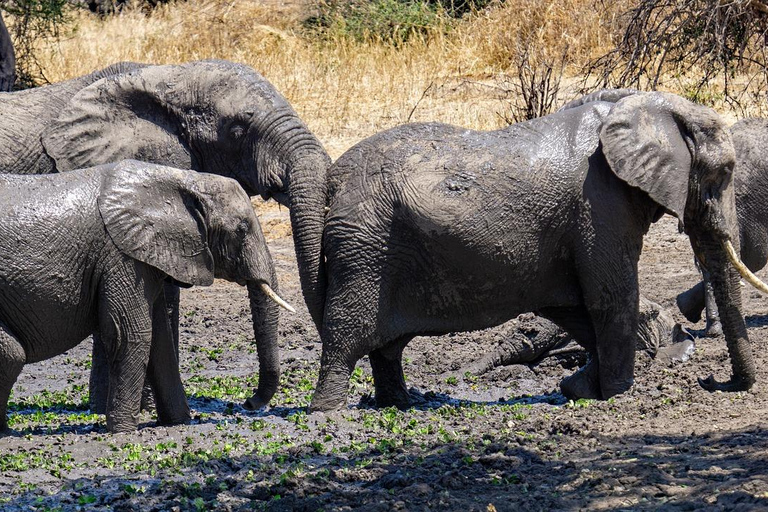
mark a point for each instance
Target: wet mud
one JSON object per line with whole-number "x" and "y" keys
{"x": 503, "y": 440}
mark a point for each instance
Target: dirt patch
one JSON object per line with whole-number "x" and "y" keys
{"x": 505, "y": 440}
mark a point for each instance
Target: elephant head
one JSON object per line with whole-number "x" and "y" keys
{"x": 682, "y": 156}
{"x": 210, "y": 116}
{"x": 194, "y": 227}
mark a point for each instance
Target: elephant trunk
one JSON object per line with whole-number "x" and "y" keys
{"x": 264, "y": 314}
{"x": 308, "y": 193}
{"x": 292, "y": 167}
{"x": 726, "y": 285}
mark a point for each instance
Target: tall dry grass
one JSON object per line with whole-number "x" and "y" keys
{"x": 345, "y": 90}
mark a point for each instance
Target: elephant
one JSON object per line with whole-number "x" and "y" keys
{"x": 529, "y": 339}
{"x": 433, "y": 229}
{"x": 90, "y": 250}
{"x": 7, "y": 59}
{"x": 750, "y": 184}
{"x": 209, "y": 116}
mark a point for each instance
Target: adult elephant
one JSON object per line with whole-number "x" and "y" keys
{"x": 435, "y": 229}
{"x": 7, "y": 59}
{"x": 751, "y": 189}
{"x": 209, "y": 116}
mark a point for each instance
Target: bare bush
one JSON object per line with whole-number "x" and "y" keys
{"x": 534, "y": 87}
{"x": 704, "y": 39}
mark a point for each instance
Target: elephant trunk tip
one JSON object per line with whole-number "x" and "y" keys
{"x": 736, "y": 383}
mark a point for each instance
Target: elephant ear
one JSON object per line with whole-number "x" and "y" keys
{"x": 124, "y": 116}
{"x": 153, "y": 214}
{"x": 648, "y": 145}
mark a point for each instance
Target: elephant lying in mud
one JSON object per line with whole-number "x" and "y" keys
{"x": 91, "y": 250}
{"x": 530, "y": 338}
{"x": 434, "y": 229}
{"x": 751, "y": 189}
{"x": 211, "y": 116}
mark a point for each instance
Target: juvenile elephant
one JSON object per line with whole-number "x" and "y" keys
{"x": 435, "y": 229}
{"x": 90, "y": 250}
{"x": 210, "y": 116}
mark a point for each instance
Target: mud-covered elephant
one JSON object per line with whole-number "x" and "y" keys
{"x": 90, "y": 250}
{"x": 751, "y": 188}
{"x": 7, "y": 59}
{"x": 434, "y": 229}
{"x": 530, "y": 338}
{"x": 210, "y": 116}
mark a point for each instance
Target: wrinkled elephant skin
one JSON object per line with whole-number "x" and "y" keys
{"x": 91, "y": 249}
{"x": 435, "y": 229}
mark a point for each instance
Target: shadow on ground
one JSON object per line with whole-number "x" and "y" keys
{"x": 725, "y": 471}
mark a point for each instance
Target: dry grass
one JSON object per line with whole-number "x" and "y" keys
{"x": 347, "y": 90}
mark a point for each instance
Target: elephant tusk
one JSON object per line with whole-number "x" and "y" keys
{"x": 269, "y": 292}
{"x": 743, "y": 270}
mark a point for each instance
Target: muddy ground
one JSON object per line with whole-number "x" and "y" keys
{"x": 505, "y": 441}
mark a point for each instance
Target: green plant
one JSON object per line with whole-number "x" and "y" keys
{"x": 391, "y": 21}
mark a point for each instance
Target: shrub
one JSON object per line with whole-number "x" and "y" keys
{"x": 703, "y": 39}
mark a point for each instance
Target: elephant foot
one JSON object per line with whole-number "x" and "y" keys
{"x": 691, "y": 303}
{"x": 331, "y": 391}
{"x": 714, "y": 329}
{"x": 585, "y": 383}
{"x": 736, "y": 383}
{"x": 178, "y": 418}
{"x": 325, "y": 404}
{"x": 255, "y": 403}
{"x": 400, "y": 399}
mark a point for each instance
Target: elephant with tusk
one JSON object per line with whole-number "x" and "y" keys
{"x": 750, "y": 183}
{"x": 435, "y": 229}
{"x": 211, "y": 116}
{"x": 91, "y": 249}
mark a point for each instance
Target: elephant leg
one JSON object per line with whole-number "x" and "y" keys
{"x": 388, "y": 378}
{"x": 615, "y": 318}
{"x": 585, "y": 383}
{"x": 129, "y": 355}
{"x": 691, "y": 302}
{"x": 611, "y": 296}
{"x": 12, "y": 359}
{"x": 125, "y": 325}
{"x": 163, "y": 370}
{"x": 98, "y": 384}
{"x": 345, "y": 341}
{"x": 714, "y": 327}
{"x": 171, "y": 305}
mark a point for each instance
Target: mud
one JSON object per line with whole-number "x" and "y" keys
{"x": 504, "y": 440}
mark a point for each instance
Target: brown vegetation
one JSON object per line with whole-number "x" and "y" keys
{"x": 467, "y": 72}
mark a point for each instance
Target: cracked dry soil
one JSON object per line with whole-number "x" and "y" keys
{"x": 505, "y": 440}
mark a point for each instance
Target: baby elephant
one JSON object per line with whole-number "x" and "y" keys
{"x": 89, "y": 251}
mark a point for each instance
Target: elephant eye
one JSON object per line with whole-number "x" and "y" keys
{"x": 237, "y": 131}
